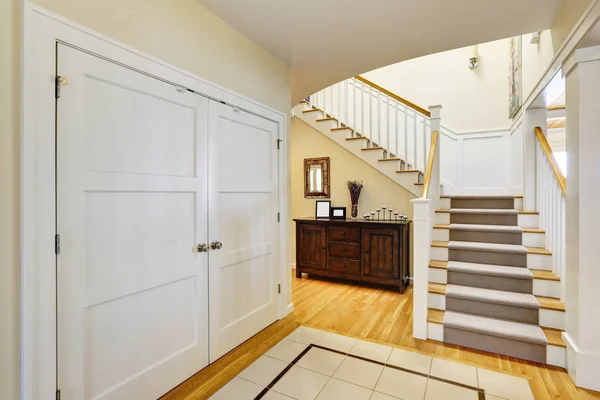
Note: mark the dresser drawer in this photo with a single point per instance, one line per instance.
(341, 265)
(344, 250)
(344, 234)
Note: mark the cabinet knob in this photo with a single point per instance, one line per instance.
(344, 249)
(323, 248)
(366, 251)
(344, 233)
(343, 265)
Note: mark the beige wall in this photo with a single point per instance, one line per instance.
(9, 199)
(565, 20)
(472, 100)
(185, 34)
(378, 189)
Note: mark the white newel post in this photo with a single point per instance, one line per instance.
(582, 336)
(421, 247)
(531, 119)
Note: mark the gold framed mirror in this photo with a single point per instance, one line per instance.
(316, 178)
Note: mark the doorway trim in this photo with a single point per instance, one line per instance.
(41, 31)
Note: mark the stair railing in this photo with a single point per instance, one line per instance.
(423, 222)
(386, 119)
(551, 193)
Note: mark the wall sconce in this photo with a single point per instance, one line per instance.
(474, 60)
(535, 38)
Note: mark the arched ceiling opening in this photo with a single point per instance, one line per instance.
(326, 41)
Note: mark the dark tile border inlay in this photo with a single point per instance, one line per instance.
(480, 392)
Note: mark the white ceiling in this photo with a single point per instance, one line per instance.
(326, 41)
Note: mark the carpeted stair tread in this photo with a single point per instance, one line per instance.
(482, 196)
(490, 270)
(496, 327)
(522, 300)
(489, 247)
(485, 211)
(486, 228)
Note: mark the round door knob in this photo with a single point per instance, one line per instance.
(216, 245)
(202, 248)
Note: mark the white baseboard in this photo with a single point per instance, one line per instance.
(290, 308)
(582, 367)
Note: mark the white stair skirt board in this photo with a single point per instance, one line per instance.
(552, 319)
(555, 355)
(436, 301)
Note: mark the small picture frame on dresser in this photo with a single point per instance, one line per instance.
(322, 208)
(338, 213)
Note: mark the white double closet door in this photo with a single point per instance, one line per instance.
(145, 173)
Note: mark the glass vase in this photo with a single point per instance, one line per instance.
(354, 211)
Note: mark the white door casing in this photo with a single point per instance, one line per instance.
(243, 207)
(132, 291)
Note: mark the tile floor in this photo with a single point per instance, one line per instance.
(316, 365)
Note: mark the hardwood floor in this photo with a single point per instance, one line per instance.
(370, 313)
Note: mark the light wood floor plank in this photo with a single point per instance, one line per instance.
(374, 314)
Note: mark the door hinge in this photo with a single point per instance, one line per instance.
(278, 143)
(278, 217)
(279, 288)
(60, 81)
(57, 394)
(57, 244)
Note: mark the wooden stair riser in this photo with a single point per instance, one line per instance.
(534, 261)
(524, 220)
(530, 239)
(555, 355)
(540, 287)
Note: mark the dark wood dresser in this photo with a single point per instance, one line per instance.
(359, 250)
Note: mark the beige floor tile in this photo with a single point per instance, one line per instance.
(337, 342)
(372, 351)
(322, 361)
(263, 370)
(437, 390)
(286, 350)
(272, 395)
(454, 371)
(340, 390)
(381, 396)
(306, 335)
(410, 360)
(502, 385)
(239, 389)
(300, 384)
(359, 372)
(403, 385)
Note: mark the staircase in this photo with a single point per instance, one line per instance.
(384, 130)
(491, 285)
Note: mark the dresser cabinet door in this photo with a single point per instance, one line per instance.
(312, 246)
(380, 253)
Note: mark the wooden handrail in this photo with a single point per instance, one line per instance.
(562, 182)
(434, 137)
(394, 96)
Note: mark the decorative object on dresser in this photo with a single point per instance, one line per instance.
(355, 188)
(316, 178)
(358, 250)
(338, 213)
(322, 209)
